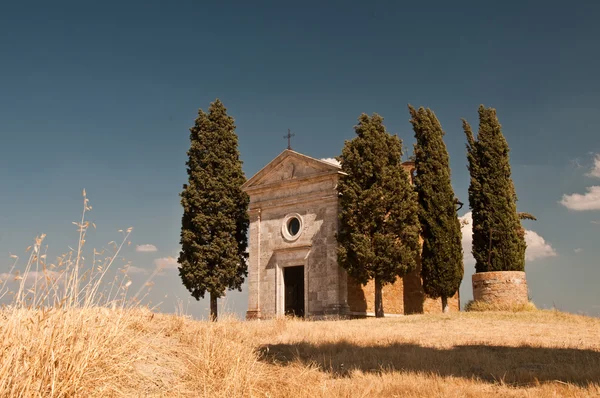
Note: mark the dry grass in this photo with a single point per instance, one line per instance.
(64, 330)
(536, 353)
(481, 306)
(64, 334)
(134, 352)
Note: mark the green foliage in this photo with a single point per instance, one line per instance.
(498, 238)
(379, 228)
(441, 257)
(215, 219)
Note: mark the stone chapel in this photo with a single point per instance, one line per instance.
(292, 265)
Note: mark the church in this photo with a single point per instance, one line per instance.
(292, 264)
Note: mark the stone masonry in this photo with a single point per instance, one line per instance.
(500, 288)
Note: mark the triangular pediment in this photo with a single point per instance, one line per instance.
(290, 165)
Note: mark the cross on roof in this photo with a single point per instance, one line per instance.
(289, 138)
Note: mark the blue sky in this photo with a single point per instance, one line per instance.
(101, 96)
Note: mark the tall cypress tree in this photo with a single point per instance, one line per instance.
(379, 228)
(498, 238)
(441, 257)
(215, 209)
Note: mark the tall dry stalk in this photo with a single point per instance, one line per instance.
(48, 344)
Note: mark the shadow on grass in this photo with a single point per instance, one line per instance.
(524, 365)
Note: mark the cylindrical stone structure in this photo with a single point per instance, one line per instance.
(502, 288)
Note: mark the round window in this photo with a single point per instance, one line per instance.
(293, 226)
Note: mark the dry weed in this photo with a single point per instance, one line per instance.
(65, 332)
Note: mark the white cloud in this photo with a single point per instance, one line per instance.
(576, 163)
(588, 201)
(33, 277)
(166, 263)
(147, 248)
(537, 247)
(135, 270)
(595, 171)
(466, 223)
(332, 161)
(578, 250)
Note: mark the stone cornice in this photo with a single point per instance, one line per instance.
(292, 248)
(292, 200)
(293, 182)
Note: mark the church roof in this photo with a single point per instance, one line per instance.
(317, 166)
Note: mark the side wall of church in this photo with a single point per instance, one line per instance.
(361, 299)
(405, 296)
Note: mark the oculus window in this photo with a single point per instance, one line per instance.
(292, 227)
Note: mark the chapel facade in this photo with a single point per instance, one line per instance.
(292, 264)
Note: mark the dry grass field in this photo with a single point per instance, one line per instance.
(64, 333)
(134, 352)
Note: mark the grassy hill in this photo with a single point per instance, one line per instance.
(65, 333)
(97, 351)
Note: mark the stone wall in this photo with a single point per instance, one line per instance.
(405, 296)
(361, 299)
(417, 302)
(503, 288)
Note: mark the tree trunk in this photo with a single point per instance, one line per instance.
(445, 308)
(213, 307)
(378, 298)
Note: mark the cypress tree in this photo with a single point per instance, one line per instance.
(441, 257)
(215, 218)
(379, 228)
(498, 238)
